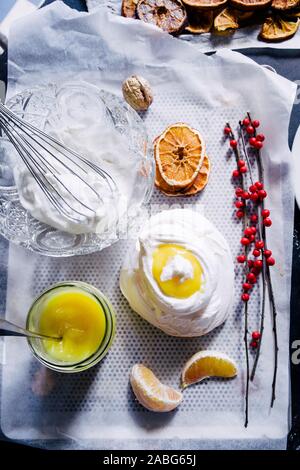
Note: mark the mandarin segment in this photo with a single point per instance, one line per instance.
(151, 393)
(206, 364)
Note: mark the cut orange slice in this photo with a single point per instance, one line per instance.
(179, 154)
(151, 393)
(206, 364)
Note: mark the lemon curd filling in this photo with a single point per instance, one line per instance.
(176, 270)
(78, 319)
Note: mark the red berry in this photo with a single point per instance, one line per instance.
(245, 297)
(252, 188)
(250, 130)
(258, 185)
(245, 195)
(262, 194)
(258, 264)
(255, 123)
(239, 192)
(256, 253)
(243, 169)
(235, 173)
(267, 222)
(260, 137)
(246, 122)
(267, 253)
(241, 163)
(254, 344)
(233, 144)
(250, 263)
(253, 230)
(258, 144)
(255, 271)
(251, 278)
(256, 335)
(254, 218)
(241, 259)
(270, 261)
(252, 237)
(245, 241)
(265, 213)
(252, 141)
(248, 232)
(239, 214)
(247, 286)
(254, 196)
(239, 204)
(227, 130)
(259, 244)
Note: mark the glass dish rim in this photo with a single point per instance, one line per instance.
(103, 348)
(84, 243)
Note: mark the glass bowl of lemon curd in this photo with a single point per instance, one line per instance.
(81, 321)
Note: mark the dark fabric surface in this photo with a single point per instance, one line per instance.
(286, 63)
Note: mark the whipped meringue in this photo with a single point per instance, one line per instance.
(180, 276)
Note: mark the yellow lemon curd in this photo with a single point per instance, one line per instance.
(176, 287)
(78, 319)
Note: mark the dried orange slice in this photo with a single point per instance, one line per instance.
(243, 16)
(199, 22)
(278, 29)
(128, 8)
(206, 364)
(226, 21)
(179, 154)
(198, 184)
(201, 179)
(150, 392)
(169, 15)
(204, 4)
(285, 4)
(250, 4)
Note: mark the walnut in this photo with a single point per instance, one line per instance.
(137, 93)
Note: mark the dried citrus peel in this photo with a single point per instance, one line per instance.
(277, 29)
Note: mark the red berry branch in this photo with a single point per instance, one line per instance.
(240, 204)
(256, 218)
(267, 222)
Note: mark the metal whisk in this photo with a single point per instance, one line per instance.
(45, 157)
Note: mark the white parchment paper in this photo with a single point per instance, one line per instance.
(243, 38)
(97, 409)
